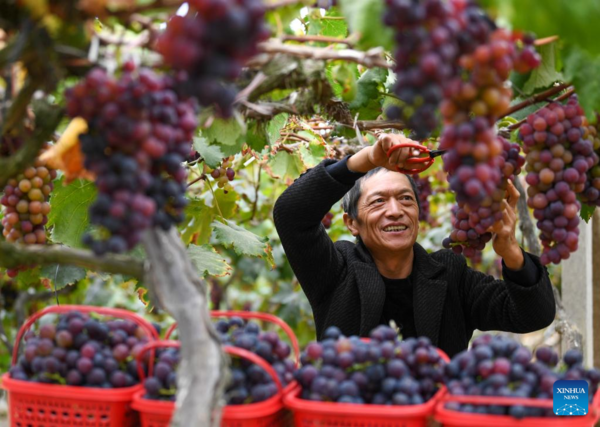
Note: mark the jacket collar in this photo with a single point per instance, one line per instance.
(429, 294)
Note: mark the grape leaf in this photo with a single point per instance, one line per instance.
(368, 98)
(583, 70)
(286, 164)
(208, 261)
(62, 275)
(312, 154)
(257, 137)
(211, 154)
(225, 132)
(69, 214)
(227, 203)
(275, 126)
(28, 277)
(243, 241)
(322, 26)
(344, 78)
(586, 212)
(198, 217)
(365, 17)
(546, 74)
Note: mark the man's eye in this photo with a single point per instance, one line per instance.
(379, 200)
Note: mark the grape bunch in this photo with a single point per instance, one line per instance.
(326, 221)
(210, 44)
(223, 174)
(249, 382)
(162, 384)
(424, 186)
(81, 351)
(499, 366)
(26, 207)
(382, 371)
(470, 224)
(558, 158)
(591, 192)
(140, 131)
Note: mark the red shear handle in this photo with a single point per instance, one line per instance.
(258, 316)
(113, 312)
(228, 349)
(426, 161)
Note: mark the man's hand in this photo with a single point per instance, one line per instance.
(376, 155)
(504, 240)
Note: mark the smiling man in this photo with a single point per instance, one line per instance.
(386, 275)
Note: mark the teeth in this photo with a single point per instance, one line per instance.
(395, 228)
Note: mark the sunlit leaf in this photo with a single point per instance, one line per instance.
(208, 261)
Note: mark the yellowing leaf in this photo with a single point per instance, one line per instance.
(66, 155)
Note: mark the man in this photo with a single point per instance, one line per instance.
(386, 275)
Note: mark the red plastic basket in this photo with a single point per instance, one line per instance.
(46, 405)
(328, 414)
(156, 413)
(453, 418)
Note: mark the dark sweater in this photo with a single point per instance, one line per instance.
(450, 300)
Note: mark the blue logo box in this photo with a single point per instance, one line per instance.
(570, 398)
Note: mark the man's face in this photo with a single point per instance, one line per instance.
(388, 214)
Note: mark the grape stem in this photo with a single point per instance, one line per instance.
(535, 99)
(370, 59)
(215, 201)
(320, 39)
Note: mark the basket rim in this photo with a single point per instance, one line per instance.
(444, 415)
(293, 402)
(267, 407)
(123, 394)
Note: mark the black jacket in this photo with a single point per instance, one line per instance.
(345, 288)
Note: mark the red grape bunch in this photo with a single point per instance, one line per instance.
(499, 366)
(591, 192)
(382, 371)
(81, 351)
(162, 384)
(424, 187)
(223, 174)
(26, 207)
(140, 132)
(211, 44)
(326, 221)
(249, 382)
(558, 158)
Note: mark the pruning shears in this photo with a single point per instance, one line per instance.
(420, 155)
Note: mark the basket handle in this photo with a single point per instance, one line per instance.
(114, 312)
(258, 316)
(228, 349)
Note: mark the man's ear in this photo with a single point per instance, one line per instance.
(351, 224)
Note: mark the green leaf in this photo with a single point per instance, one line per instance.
(243, 241)
(69, 215)
(225, 132)
(364, 17)
(546, 73)
(227, 202)
(197, 220)
(322, 26)
(211, 154)
(257, 137)
(575, 22)
(344, 77)
(286, 164)
(583, 70)
(275, 126)
(313, 154)
(587, 212)
(62, 275)
(208, 261)
(368, 98)
(28, 277)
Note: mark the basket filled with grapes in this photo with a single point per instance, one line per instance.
(262, 370)
(375, 382)
(498, 382)
(75, 365)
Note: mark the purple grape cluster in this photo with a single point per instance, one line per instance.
(499, 366)
(424, 186)
(140, 131)
(382, 371)
(470, 222)
(430, 35)
(81, 351)
(211, 44)
(249, 382)
(558, 158)
(591, 192)
(162, 384)
(327, 219)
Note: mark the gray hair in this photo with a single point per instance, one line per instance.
(350, 200)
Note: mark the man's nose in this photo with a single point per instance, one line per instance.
(394, 208)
